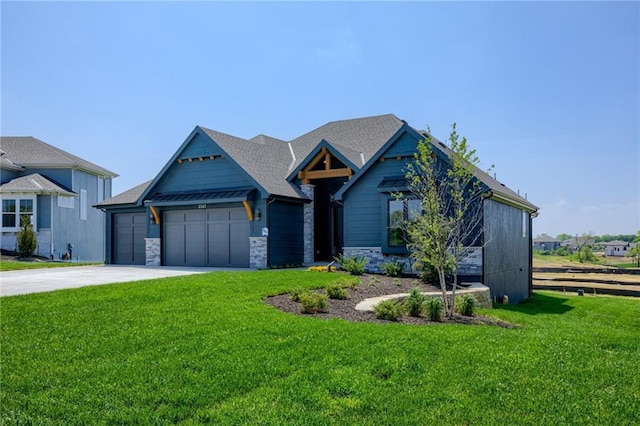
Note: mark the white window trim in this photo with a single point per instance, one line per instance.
(17, 198)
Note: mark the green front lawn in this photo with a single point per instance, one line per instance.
(206, 349)
(16, 265)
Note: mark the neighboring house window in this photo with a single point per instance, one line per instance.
(65, 202)
(399, 211)
(83, 204)
(8, 213)
(100, 189)
(14, 209)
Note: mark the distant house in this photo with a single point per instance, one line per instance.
(574, 243)
(55, 190)
(546, 243)
(617, 248)
(262, 202)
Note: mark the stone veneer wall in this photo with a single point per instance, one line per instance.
(308, 213)
(471, 264)
(258, 252)
(152, 251)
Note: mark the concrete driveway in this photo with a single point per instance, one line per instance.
(49, 279)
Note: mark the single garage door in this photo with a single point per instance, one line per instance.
(128, 238)
(206, 237)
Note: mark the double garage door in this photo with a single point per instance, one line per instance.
(206, 237)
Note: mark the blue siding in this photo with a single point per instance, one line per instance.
(62, 177)
(507, 253)
(285, 234)
(404, 145)
(87, 236)
(200, 175)
(365, 206)
(7, 175)
(44, 211)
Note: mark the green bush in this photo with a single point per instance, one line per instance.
(393, 269)
(336, 291)
(373, 281)
(296, 293)
(397, 282)
(433, 307)
(26, 237)
(389, 310)
(348, 282)
(466, 305)
(313, 302)
(353, 265)
(415, 302)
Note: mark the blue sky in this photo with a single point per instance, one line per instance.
(548, 92)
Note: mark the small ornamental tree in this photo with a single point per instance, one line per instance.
(444, 180)
(26, 237)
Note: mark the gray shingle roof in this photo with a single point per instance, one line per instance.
(359, 136)
(127, 197)
(34, 183)
(28, 151)
(269, 161)
(265, 159)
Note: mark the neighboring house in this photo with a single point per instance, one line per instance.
(578, 242)
(55, 189)
(262, 202)
(546, 243)
(617, 248)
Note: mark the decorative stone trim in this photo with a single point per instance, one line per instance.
(308, 213)
(470, 264)
(152, 251)
(258, 252)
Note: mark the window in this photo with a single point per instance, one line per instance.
(8, 213)
(26, 209)
(14, 209)
(524, 224)
(399, 211)
(83, 204)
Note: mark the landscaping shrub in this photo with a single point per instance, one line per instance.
(466, 305)
(433, 307)
(373, 281)
(393, 269)
(26, 237)
(353, 265)
(397, 282)
(415, 302)
(389, 310)
(336, 291)
(313, 303)
(296, 293)
(348, 282)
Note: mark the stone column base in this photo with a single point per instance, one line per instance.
(152, 251)
(258, 252)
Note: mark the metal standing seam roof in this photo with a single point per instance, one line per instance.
(28, 151)
(200, 195)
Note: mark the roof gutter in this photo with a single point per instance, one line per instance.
(511, 202)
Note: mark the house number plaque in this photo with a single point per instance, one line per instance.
(202, 206)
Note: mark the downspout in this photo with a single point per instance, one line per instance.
(51, 231)
(269, 202)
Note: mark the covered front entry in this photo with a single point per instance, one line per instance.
(206, 237)
(129, 230)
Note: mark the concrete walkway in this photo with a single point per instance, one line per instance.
(49, 279)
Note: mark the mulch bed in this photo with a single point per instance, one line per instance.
(373, 286)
